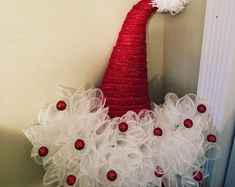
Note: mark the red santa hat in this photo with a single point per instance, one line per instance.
(125, 82)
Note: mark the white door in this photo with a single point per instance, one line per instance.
(217, 81)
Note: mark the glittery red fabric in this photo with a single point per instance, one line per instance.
(125, 82)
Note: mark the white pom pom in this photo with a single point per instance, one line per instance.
(171, 6)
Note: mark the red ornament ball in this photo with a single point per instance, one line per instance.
(71, 179)
(197, 175)
(201, 108)
(43, 151)
(157, 131)
(79, 144)
(188, 123)
(61, 105)
(159, 172)
(111, 175)
(123, 127)
(211, 138)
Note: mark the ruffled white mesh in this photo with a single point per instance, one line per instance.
(136, 155)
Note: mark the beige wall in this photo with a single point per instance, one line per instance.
(182, 49)
(49, 43)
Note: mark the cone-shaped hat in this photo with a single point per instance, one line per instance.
(125, 82)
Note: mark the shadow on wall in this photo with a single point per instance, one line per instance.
(173, 85)
(155, 89)
(17, 169)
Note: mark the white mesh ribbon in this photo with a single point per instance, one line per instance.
(138, 156)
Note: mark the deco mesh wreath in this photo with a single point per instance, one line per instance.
(114, 136)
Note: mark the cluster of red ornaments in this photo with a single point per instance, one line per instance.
(123, 127)
(112, 176)
(188, 123)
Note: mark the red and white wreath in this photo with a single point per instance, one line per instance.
(114, 135)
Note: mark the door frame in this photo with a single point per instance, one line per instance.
(216, 79)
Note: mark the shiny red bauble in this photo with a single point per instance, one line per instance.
(159, 172)
(157, 131)
(79, 144)
(71, 179)
(61, 105)
(211, 138)
(201, 108)
(123, 127)
(111, 175)
(43, 151)
(197, 176)
(188, 123)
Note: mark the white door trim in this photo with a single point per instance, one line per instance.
(216, 76)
